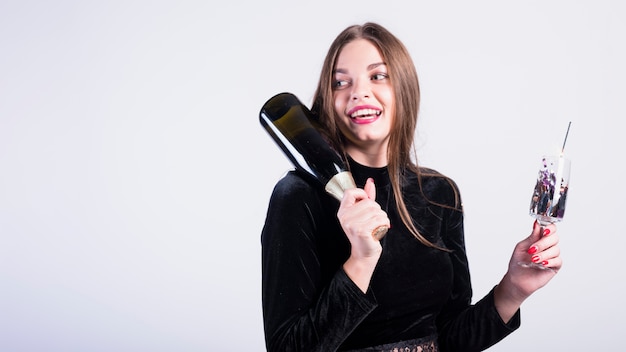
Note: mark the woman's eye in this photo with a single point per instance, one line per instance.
(340, 83)
(379, 76)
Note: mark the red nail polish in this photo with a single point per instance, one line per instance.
(546, 232)
(544, 263)
(533, 250)
(535, 259)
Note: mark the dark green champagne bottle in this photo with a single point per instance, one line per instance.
(292, 126)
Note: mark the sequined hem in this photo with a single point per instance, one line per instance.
(425, 344)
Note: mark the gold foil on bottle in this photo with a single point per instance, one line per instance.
(339, 183)
(343, 181)
(380, 232)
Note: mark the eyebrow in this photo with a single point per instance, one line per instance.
(369, 67)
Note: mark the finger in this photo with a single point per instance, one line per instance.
(548, 230)
(546, 255)
(363, 215)
(370, 189)
(381, 230)
(554, 263)
(364, 219)
(534, 236)
(538, 233)
(544, 243)
(351, 196)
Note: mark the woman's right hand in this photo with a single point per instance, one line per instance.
(359, 215)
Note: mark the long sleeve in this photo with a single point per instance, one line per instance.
(462, 326)
(307, 304)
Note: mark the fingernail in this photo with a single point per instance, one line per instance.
(533, 250)
(535, 259)
(546, 232)
(544, 263)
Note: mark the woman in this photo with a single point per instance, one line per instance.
(328, 284)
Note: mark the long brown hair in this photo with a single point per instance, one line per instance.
(404, 80)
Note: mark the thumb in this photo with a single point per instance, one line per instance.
(535, 235)
(537, 231)
(370, 189)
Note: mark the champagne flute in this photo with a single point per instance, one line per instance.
(547, 204)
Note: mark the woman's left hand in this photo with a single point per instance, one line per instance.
(541, 247)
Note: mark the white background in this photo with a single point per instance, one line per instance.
(135, 176)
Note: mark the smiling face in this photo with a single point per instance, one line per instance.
(364, 102)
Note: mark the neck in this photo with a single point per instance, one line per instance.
(369, 158)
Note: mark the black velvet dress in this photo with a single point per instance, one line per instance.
(309, 303)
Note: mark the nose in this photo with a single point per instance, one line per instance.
(360, 89)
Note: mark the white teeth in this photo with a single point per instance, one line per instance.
(365, 112)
